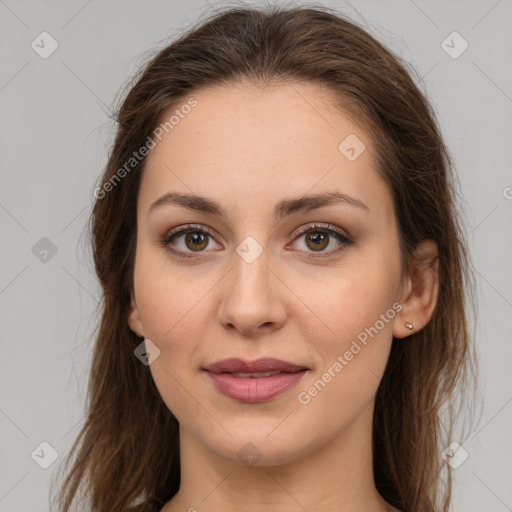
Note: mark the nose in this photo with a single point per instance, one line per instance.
(253, 297)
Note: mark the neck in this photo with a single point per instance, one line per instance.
(336, 476)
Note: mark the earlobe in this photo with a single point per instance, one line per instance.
(420, 295)
(133, 317)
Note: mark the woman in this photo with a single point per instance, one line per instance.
(284, 278)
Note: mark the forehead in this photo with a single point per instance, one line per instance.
(274, 141)
(280, 121)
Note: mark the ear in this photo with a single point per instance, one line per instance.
(134, 320)
(420, 290)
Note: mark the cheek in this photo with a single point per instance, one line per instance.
(171, 321)
(168, 298)
(173, 306)
(351, 362)
(352, 299)
(359, 309)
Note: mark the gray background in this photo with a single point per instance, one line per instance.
(54, 137)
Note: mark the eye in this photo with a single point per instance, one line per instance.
(319, 236)
(196, 238)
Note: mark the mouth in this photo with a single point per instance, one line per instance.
(255, 381)
(259, 366)
(259, 375)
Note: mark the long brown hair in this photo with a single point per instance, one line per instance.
(127, 452)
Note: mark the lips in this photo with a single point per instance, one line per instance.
(254, 381)
(266, 364)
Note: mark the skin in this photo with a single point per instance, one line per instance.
(249, 147)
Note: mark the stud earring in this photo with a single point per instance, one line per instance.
(409, 326)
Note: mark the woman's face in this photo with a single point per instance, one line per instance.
(254, 286)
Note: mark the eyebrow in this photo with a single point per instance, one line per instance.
(282, 209)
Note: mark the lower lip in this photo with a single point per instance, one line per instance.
(253, 389)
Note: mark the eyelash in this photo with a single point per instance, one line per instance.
(194, 228)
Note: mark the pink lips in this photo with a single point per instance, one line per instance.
(254, 389)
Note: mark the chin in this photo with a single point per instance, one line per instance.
(258, 449)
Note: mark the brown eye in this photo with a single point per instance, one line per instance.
(196, 241)
(318, 237)
(317, 241)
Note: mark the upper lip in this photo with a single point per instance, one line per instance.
(265, 364)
